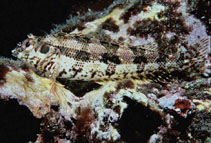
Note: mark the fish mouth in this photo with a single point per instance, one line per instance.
(16, 51)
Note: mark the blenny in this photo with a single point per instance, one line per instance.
(151, 41)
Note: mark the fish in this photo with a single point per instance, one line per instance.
(71, 58)
(98, 53)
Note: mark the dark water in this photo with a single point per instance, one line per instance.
(17, 19)
(21, 17)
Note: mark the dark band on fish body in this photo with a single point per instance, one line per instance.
(140, 59)
(83, 39)
(82, 55)
(161, 58)
(110, 47)
(110, 58)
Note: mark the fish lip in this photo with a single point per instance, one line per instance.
(16, 51)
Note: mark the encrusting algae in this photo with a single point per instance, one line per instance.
(149, 62)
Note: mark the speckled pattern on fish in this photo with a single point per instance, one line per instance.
(137, 40)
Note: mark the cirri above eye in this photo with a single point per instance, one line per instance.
(44, 49)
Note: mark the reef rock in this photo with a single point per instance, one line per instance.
(139, 71)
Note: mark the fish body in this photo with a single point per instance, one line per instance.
(133, 40)
(73, 58)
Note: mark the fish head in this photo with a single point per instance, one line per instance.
(37, 53)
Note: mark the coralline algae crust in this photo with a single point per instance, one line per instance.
(143, 109)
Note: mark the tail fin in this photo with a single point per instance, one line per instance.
(194, 63)
(190, 65)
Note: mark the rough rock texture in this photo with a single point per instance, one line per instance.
(125, 110)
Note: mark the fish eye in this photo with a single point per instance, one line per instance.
(27, 43)
(44, 49)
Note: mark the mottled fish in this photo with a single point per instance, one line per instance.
(130, 41)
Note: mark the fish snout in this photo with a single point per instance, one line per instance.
(16, 51)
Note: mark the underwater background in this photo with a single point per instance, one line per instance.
(21, 17)
(18, 19)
